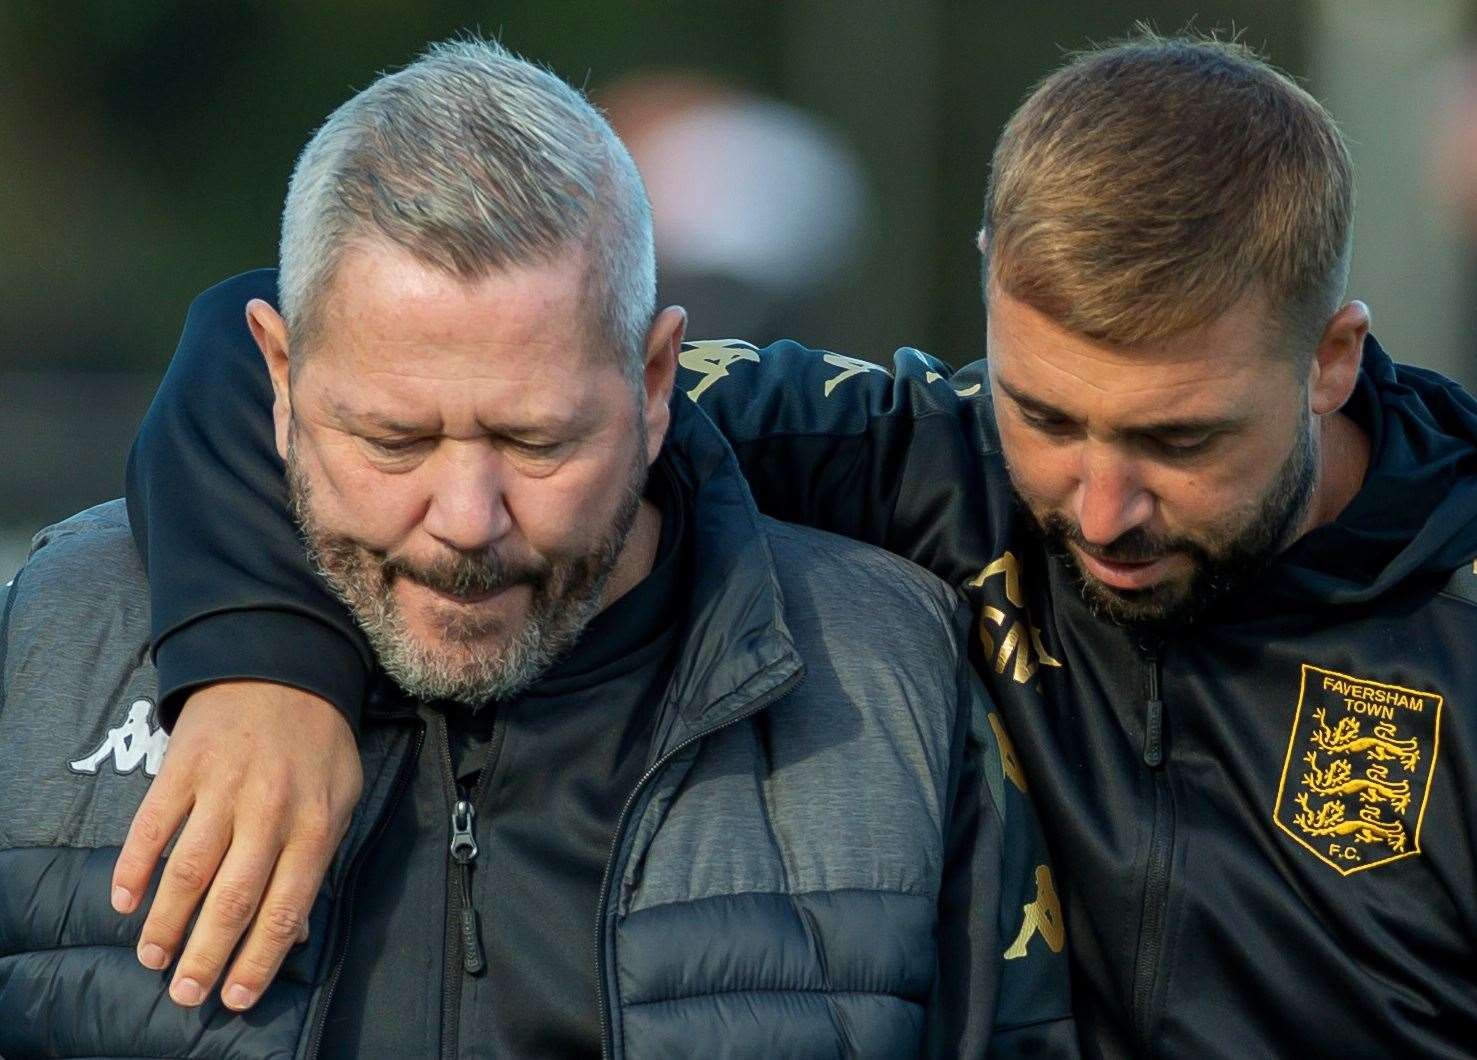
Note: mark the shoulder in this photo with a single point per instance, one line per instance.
(876, 597)
(809, 390)
(81, 583)
(76, 686)
(94, 544)
(224, 302)
(1463, 583)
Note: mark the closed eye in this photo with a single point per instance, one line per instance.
(397, 446)
(1182, 445)
(535, 448)
(1053, 425)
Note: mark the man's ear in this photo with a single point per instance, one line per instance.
(662, 343)
(1335, 367)
(270, 332)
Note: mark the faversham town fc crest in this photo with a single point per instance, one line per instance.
(1358, 769)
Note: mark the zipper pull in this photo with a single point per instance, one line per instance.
(472, 960)
(1153, 734)
(1154, 719)
(463, 842)
(464, 852)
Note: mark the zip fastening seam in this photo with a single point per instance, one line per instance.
(1154, 717)
(1161, 846)
(351, 882)
(784, 688)
(464, 852)
(458, 894)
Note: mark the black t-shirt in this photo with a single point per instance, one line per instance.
(630, 638)
(548, 774)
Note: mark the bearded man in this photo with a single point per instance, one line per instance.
(1219, 547)
(643, 772)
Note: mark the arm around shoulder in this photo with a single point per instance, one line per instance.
(1003, 986)
(231, 590)
(844, 444)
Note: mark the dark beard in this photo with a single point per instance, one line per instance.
(565, 595)
(1221, 564)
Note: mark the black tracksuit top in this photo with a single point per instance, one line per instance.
(1263, 823)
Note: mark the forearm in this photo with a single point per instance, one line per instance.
(231, 591)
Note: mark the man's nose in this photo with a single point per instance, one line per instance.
(468, 508)
(1111, 497)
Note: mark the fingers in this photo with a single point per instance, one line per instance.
(188, 871)
(158, 818)
(269, 791)
(229, 906)
(281, 922)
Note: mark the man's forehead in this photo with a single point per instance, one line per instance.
(385, 294)
(1137, 414)
(393, 324)
(1209, 372)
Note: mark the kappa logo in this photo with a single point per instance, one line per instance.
(130, 745)
(711, 359)
(1358, 769)
(1042, 916)
(1021, 647)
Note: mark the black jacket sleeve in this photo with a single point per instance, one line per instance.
(1003, 987)
(231, 591)
(825, 440)
(891, 456)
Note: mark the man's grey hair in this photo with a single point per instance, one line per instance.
(473, 160)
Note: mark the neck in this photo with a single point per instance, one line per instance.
(1343, 459)
(638, 555)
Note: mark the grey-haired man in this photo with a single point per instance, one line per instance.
(645, 773)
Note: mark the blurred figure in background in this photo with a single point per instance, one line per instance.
(757, 206)
(1453, 168)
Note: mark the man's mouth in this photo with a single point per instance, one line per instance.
(469, 598)
(1121, 574)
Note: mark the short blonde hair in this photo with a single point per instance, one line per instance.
(1146, 186)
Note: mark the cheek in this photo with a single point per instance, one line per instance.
(567, 512)
(1042, 471)
(1210, 498)
(354, 499)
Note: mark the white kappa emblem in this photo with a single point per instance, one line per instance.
(130, 745)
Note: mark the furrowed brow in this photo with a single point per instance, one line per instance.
(360, 418)
(1188, 427)
(1168, 428)
(1030, 404)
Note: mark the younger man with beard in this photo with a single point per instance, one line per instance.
(1220, 548)
(644, 773)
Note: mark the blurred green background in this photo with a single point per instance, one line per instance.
(147, 146)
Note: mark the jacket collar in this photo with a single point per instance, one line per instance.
(735, 646)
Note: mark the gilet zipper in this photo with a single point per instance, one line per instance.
(351, 881)
(464, 954)
(782, 689)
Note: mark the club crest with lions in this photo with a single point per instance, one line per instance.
(1358, 769)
